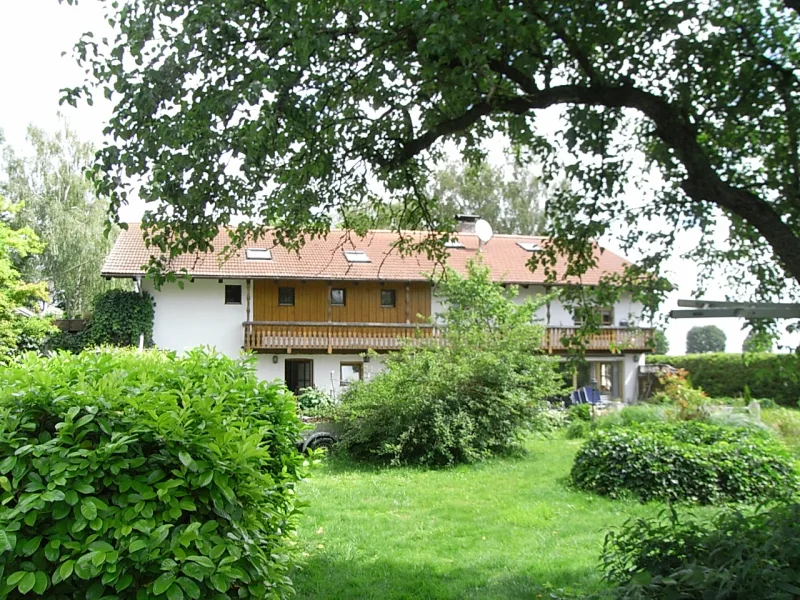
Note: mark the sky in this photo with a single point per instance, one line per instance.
(33, 35)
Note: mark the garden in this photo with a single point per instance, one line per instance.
(458, 474)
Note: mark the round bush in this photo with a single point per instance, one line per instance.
(692, 462)
(140, 475)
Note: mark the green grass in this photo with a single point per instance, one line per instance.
(503, 529)
(786, 422)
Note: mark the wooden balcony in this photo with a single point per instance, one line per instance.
(329, 337)
(358, 337)
(608, 339)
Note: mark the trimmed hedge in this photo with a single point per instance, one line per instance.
(691, 461)
(774, 376)
(141, 475)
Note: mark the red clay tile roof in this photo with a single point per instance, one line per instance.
(324, 259)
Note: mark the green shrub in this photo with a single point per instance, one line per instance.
(693, 462)
(314, 402)
(786, 422)
(752, 556)
(580, 412)
(549, 420)
(472, 397)
(775, 376)
(140, 475)
(632, 415)
(578, 429)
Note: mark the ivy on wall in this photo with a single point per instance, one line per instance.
(119, 317)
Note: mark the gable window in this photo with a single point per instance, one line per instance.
(388, 298)
(350, 372)
(233, 294)
(338, 297)
(285, 296)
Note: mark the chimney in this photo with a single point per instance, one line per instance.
(466, 223)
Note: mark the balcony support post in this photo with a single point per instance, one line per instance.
(408, 303)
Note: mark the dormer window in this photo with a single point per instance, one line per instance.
(529, 246)
(258, 254)
(356, 256)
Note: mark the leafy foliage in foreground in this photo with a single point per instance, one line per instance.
(691, 462)
(750, 556)
(775, 376)
(140, 475)
(462, 401)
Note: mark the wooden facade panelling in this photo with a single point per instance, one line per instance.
(362, 304)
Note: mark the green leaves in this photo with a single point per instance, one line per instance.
(461, 402)
(186, 465)
(88, 509)
(163, 583)
(685, 462)
(749, 554)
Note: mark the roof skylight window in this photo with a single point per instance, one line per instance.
(529, 246)
(258, 254)
(356, 256)
(453, 244)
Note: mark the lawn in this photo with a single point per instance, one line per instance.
(502, 529)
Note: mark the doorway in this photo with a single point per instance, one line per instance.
(298, 373)
(606, 376)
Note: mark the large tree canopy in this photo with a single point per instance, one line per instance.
(708, 338)
(21, 329)
(286, 111)
(512, 202)
(58, 203)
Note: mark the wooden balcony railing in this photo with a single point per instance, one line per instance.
(266, 335)
(358, 337)
(614, 339)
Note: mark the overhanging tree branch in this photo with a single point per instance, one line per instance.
(702, 183)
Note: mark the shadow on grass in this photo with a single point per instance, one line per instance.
(338, 462)
(326, 578)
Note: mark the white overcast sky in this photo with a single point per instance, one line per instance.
(34, 33)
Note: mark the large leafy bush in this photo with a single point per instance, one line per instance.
(775, 376)
(142, 475)
(461, 400)
(752, 556)
(691, 461)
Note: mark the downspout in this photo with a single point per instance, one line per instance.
(141, 294)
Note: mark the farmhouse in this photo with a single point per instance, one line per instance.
(311, 316)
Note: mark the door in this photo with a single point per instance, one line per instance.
(299, 374)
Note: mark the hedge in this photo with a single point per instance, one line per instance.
(775, 376)
(134, 476)
(691, 462)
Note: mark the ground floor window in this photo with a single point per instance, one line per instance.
(350, 372)
(299, 373)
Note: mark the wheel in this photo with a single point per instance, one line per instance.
(321, 441)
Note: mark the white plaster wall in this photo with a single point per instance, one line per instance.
(630, 377)
(326, 368)
(198, 316)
